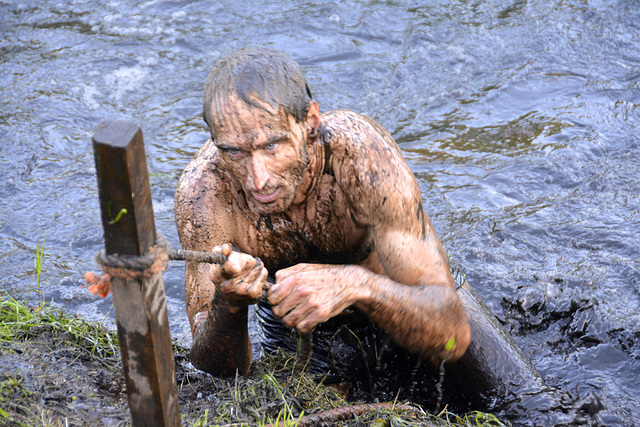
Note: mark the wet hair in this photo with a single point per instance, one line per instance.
(258, 73)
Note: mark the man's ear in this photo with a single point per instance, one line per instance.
(313, 116)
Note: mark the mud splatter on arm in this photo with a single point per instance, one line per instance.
(415, 300)
(221, 342)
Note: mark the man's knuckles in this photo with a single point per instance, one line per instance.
(227, 249)
(237, 263)
(228, 286)
(255, 291)
(306, 325)
(300, 292)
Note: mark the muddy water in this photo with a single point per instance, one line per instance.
(519, 119)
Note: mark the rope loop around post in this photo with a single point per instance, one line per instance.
(136, 267)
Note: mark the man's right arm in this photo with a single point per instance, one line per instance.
(221, 343)
(217, 310)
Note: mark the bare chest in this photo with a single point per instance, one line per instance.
(320, 230)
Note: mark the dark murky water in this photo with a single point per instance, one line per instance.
(520, 120)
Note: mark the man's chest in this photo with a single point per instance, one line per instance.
(320, 230)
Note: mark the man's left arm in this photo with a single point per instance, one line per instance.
(415, 299)
(416, 302)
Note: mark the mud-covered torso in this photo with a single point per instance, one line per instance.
(321, 230)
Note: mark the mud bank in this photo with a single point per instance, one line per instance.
(61, 370)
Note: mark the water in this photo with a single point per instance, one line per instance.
(519, 119)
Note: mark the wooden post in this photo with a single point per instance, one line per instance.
(140, 306)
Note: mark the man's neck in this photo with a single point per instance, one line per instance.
(313, 172)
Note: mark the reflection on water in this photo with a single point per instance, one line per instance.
(519, 120)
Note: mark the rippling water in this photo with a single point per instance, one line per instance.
(519, 119)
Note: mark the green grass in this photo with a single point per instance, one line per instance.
(37, 270)
(22, 329)
(276, 392)
(18, 321)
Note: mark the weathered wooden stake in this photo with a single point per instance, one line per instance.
(140, 306)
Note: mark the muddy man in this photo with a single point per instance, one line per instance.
(323, 211)
(325, 202)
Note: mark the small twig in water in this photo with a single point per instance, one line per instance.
(348, 412)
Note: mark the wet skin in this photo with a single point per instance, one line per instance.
(338, 219)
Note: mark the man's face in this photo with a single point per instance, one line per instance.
(265, 151)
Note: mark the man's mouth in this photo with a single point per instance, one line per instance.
(266, 198)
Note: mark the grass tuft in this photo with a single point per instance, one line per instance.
(37, 269)
(276, 392)
(18, 321)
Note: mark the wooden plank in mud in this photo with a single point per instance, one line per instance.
(140, 306)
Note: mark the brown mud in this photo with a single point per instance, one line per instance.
(48, 380)
(49, 377)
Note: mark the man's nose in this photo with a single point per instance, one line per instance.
(259, 174)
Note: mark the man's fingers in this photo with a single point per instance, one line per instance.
(306, 324)
(286, 281)
(260, 283)
(303, 318)
(219, 273)
(286, 298)
(255, 291)
(248, 287)
(277, 292)
(226, 249)
(215, 273)
(252, 284)
(237, 263)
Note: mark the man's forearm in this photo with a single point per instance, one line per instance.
(221, 343)
(423, 319)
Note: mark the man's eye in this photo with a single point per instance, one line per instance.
(233, 152)
(272, 147)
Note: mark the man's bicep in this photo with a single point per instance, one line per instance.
(202, 222)
(412, 258)
(384, 196)
(404, 237)
(202, 216)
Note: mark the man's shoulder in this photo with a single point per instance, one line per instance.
(348, 121)
(203, 190)
(359, 141)
(199, 175)
(368, 166)
(351, 133)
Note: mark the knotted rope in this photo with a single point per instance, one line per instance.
(138, 267)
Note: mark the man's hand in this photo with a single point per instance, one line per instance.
(308, 294)
(241, 278)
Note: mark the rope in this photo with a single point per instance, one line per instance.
(139, 267)
(183, 255)
(133, 267)
(156, 261)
